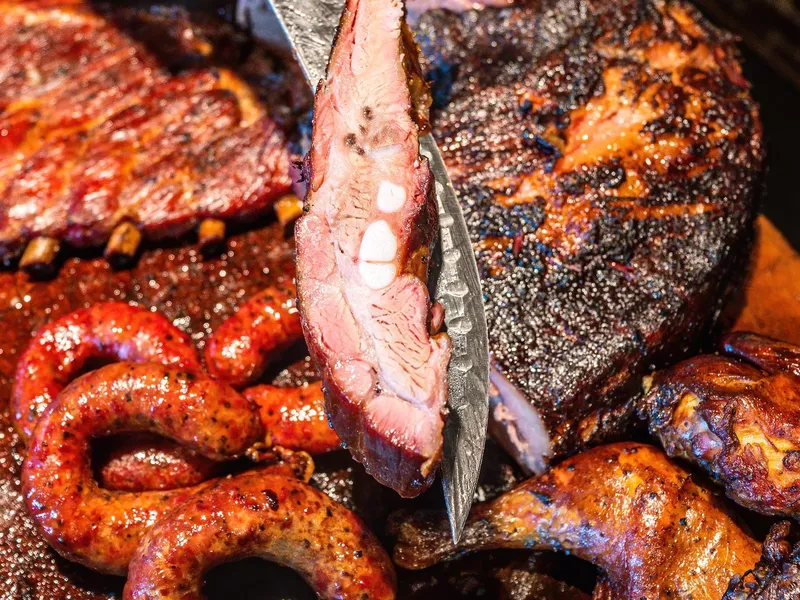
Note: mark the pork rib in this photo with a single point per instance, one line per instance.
(97, 132)
(363, 250)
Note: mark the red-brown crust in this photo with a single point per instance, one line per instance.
(393, 464)
(105, 331)
(101, 133)
(254, 514)
(644, 520)
(242, 347)
(294, 417)
(99, 528)
(773, 356)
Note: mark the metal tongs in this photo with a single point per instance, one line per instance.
(308, 27)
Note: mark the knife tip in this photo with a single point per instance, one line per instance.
(457, 514)
(456, 528)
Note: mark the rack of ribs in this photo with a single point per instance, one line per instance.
(102, 144)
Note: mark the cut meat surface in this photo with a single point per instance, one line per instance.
(363, 252)
(608, 157)
(96, 132)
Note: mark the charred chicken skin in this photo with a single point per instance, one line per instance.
(737, 418)
(363, 250)
(626, 507)
(777, 574)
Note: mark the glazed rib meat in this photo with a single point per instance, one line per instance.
(608, 158)
(363, 251)
(97, 132)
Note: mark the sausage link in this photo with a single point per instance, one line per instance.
(61, 349)
(268, 516)
(101, 528)
(241, 348)
(140, 462)
(295, 418)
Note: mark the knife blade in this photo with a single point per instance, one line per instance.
(308, 28)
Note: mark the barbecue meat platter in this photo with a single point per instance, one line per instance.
(222, 373)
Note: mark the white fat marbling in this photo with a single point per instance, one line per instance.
(379, 244)
(391, 197)
(377, 275)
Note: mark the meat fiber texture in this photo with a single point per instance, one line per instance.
(363, 253)
(97, 132)
(608, 157)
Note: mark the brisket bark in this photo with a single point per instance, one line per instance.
(609, 160)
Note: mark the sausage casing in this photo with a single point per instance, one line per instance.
(256, 514)
(101, 528)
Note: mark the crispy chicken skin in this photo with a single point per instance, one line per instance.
(777, 574)
(739, 421)
(653, 530)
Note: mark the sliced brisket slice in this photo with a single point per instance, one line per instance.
(363, 249)
(609, 160)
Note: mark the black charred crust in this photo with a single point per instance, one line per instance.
(777, 574)
(506, 85)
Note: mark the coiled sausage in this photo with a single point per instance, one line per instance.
(108, 330)
(243, 345)
(101, 528)
(256, 514)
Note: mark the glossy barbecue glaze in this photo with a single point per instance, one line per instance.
(100, 528)
(772, 356)
(263, 327)
(363, 250)
(777, 574)
(626, 507)
(294, 417)
(739, 422)
(142, 462)
(272, 517)
(608, 157)
(99, 133)
(104, 331)
(198, 296)
(62, 349)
